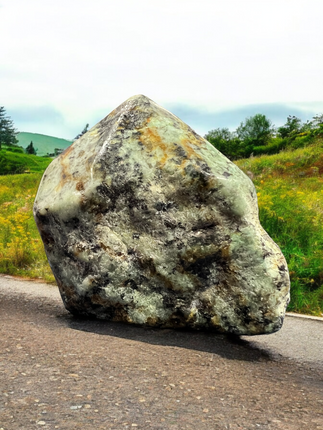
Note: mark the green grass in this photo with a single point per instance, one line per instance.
(44, 144)
(13, 162)
(21, 248)
(290, 197)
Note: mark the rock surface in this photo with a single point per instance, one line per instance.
(144, 221)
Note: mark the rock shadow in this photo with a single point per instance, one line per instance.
(224, 345)
(45, 312)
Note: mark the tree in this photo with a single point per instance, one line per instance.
(256, 130)
(317, 125)
(292, 127)
(225, 141)
(30, 149)
(317, 120)
(7, 130)
(85, 129)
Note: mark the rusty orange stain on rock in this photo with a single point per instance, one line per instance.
(190, 152)
(183, 164)
(189, 148)
(66, 152)
(151, 139)
(80, 186)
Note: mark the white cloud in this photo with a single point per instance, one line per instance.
(89, 56)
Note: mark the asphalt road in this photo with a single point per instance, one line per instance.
(59, 372)
(300, 339)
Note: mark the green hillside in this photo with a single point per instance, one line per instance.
(290, 198)
(44, 144)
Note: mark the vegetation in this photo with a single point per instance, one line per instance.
(30, 149)
(44, 145)
(255, 131)
(290, 193)
(257, 136)
(7, 130)
(21, 249)
(13, 160)
(85, 130)
(290, 198)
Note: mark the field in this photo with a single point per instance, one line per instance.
(21, 249)
(44, 144)
(290, 196)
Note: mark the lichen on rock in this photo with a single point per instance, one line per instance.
(144, 221)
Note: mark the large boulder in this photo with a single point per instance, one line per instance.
(144, 221)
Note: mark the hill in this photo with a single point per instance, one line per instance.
(44, 144)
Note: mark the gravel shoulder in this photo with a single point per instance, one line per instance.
(57, 371)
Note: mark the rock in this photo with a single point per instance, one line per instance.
(144, 221)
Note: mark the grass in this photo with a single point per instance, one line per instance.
(21, 248)
(44, 144)
(290, 198)
(12, 162)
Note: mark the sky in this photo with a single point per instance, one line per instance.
(213, 63)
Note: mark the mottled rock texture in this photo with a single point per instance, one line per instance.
(143, 221)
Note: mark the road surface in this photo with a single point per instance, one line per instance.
(59, 372)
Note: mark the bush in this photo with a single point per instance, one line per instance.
(301, 141)
(17, 149)
(274, 147)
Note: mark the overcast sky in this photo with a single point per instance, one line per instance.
(211, 62)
